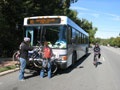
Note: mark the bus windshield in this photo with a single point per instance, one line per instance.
(55, 35)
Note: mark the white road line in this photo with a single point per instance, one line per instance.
(103, 59)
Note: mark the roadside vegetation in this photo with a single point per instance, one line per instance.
(115, 42)
(5, 68)
(7, 64)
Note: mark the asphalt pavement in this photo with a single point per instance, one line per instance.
(83, 76)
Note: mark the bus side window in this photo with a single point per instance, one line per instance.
(69, 37)
(80, 40)
(74, 35)
(77, 37)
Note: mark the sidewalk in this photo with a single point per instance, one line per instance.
(7, 62)
(8, 71)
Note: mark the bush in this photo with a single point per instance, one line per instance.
(7, 68)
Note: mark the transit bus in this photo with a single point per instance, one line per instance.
(68, 41)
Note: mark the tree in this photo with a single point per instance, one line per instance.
(92, 34)
(12, 13)
(117, 41)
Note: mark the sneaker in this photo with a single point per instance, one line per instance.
(22, 80)
(41, 77)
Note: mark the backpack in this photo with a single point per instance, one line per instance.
(47, 52)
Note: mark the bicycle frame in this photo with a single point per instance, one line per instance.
(96, 54)
(35, 60)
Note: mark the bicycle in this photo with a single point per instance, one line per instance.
(15, 59)
(96, 58)
(35, 59)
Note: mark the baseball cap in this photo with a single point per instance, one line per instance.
(26, 39)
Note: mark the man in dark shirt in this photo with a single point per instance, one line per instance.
(24, 48)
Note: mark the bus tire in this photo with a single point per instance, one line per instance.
(86, 51)
(74, 58)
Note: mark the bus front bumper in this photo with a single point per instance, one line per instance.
(61, 64)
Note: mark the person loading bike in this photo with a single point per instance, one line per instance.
(24, 48)
(96, 51)
(47, 54)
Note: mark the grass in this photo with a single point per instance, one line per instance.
(2, 69)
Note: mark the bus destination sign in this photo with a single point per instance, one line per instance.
(44, 21)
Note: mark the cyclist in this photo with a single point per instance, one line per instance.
(47, 54)
(96, 51)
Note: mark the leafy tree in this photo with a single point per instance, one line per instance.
(92, 35)
(117, 41)
(111, 41)
(9, 17)
(86, 25)
(12, 13)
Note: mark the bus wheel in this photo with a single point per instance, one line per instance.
(86, 52)
(74, 58)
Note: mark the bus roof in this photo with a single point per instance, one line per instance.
(51, 20)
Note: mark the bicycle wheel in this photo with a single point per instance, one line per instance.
(37, 63)
(54, 67)
(15, 59)
(96, 60)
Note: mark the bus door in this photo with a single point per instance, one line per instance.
(30, 33)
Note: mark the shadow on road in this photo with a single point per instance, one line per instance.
(98, 63)
(30, 75)
(78, 63)
(68, 70)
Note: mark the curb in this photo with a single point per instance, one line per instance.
(8, 71)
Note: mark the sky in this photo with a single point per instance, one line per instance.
(104, 14)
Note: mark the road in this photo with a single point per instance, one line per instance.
(83, 76)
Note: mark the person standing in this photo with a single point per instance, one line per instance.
(24, 48)
(47, 54)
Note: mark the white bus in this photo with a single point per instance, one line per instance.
(68, 41)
